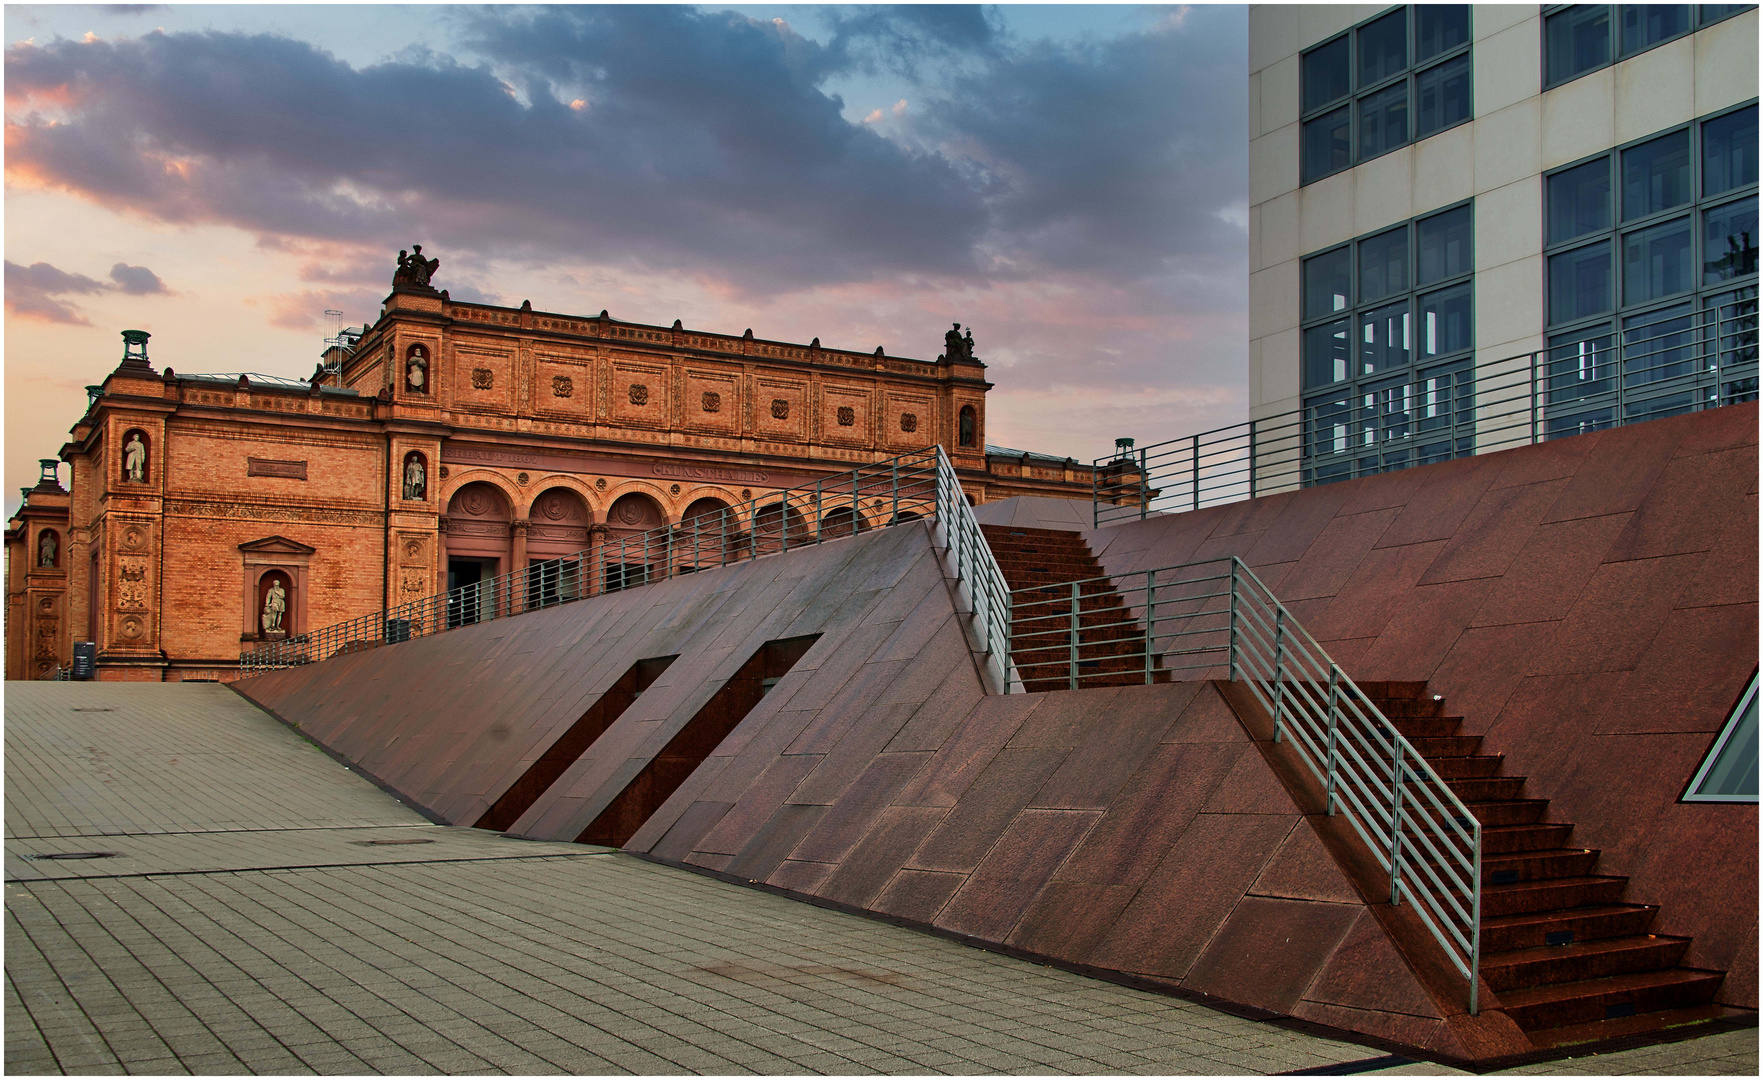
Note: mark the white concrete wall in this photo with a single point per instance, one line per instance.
(1518, 132)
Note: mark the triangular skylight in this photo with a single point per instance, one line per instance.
(1729, 772)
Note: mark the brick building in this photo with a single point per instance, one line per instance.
(442, 444)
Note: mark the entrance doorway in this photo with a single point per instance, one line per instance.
(470, 590)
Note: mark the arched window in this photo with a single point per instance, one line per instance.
(969, 426)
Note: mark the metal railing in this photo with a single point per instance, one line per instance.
(1648, 367)
(900, 489)
(1215, 619)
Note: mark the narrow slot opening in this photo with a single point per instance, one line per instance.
(703, 733)
(572, 744)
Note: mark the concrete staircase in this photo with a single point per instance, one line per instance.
(1570, 960)
(1111, 642)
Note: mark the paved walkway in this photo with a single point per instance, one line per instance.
(263, 909)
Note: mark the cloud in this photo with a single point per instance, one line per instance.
(136, 280)
(671, 139)
(31, 292)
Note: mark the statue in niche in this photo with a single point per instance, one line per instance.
(413, 269)
(134, 459)
(967, 434)
(416, 483)
(46, 549)
(416, 370)
(275, 605)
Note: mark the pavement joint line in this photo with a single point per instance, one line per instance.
(300, 867)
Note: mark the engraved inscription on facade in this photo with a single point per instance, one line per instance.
(292, 470)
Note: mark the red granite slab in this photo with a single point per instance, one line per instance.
(688, 830)
(1065, 717)
(757, 804)
(1302, 869)
(1298, 525)
(1068, 918)
(1438, 509)
(1002, 886)
(851, 816)
(986, 809)
(1618, 615)
(1551, 571)
(845, 762)
(767, 847)
(1690, 677)
(896, 834)
(1109, 752)
(1205, 718)
(1251, 788)
(1484, 666)
(1421, 632)
(1172, 782)
(1269, 951)
(942, 713)
(1494, 533)
(964, 756)
(1729, 573)
(1690, 505)
(918, 894)
(1192, 891)
(801, 877)
(1398, 1028)
(1618, 477)
(1367, 602)
(1329, 563)
(1366, 972)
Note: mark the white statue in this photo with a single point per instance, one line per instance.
(275, 604)
(415, 478)
(46, 550)
(134, 459)
(416, 373)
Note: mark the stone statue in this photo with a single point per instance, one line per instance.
(134, 459)
(275, 604)
(46, 550)
(416, 371)
(952, 344)
(413, 269)
(967, 345)
(415, 478)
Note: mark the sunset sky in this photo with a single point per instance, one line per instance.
(1072, 182)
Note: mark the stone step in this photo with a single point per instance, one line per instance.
(1507, 811)
(1640, 1024)
(1612, 997)
(1488, 789)
(1431, 746)
(1510, 868)
(1535, 929)
(1465, 768)
(1546, 965)
(1539, 836)
(1550, 895)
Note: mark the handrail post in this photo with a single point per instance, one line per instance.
(1074, 629)
(1251, 459)
(1235, 665)
(1196, 454)
(1279, 667)
(894, 476)
(1397, 778)
(1334, 681)
(1150, 618)
(1533, 393)
(1144, 485)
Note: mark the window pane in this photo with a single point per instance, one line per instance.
(1580, 364)
(1729, 151)
(1383, 121)
(1327, 146)
(1383, 264)
(1385, 336)
(1658, 345)
(1326, 353)
(1442, 96)
(1328, 283)
(1383, 47)
(1733, 774)
(1445, 246)
(1649, 24)
(1729, 242)
(1579, 201)
(1656, 262)
(1578, 41)
(1716, 12)
(1438, 28)
(1326, 74)
(1656, 175)
(1579, 283)
(1444, 322)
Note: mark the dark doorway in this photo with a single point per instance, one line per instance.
(572, 744)
(696, 741)
(468, 592)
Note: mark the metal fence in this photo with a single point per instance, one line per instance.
(905, 488)
(1652, 366)
(1216, 619)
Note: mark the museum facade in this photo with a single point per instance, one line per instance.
(444, 444)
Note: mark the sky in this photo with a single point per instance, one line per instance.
(1071, 182)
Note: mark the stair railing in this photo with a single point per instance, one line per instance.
(1658, 365)
(976, 568)
(900, 489)
(1216, 620)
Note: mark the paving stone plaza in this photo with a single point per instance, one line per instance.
(259, 908)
